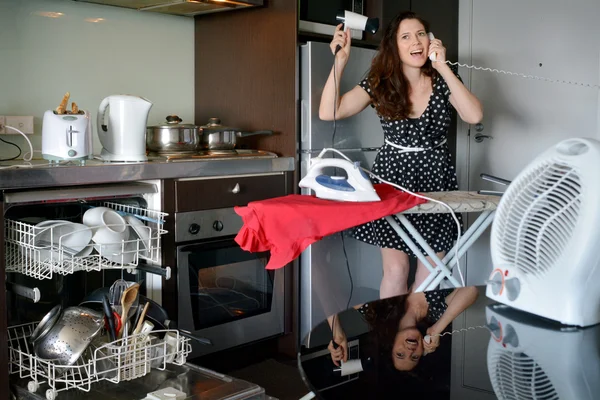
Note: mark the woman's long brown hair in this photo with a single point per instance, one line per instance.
(389, 86)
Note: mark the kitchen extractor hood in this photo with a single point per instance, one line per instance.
(188, 8)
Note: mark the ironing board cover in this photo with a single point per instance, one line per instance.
(287, 225)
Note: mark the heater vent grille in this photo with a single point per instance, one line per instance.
(537, 217)
(516, 376)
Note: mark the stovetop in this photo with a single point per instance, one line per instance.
(211, 154)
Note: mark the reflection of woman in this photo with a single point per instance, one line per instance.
(402, 322)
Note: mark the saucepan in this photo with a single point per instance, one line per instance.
(218, 137)
(175, 137)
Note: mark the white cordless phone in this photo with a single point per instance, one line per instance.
(432, 55)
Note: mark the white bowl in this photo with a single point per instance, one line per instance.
(142, 232)
(110, 232)
(121, 257)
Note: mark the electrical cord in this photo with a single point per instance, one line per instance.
(335, 100)
(12, 144)
(27, 156)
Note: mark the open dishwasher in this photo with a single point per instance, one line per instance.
(80, 263)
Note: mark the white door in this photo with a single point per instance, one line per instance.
(547, 38)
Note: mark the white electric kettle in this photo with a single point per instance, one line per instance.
(123, 132)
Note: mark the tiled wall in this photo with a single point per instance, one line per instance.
(49, 47)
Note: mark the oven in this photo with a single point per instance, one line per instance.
(224, 293)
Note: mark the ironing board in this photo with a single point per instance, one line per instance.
(459, 202)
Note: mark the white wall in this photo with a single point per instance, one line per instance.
(49, 47)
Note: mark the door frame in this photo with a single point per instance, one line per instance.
(463, 142)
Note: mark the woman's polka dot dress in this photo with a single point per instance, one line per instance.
(424, 171)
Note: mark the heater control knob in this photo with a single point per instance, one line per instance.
(513, 288)
(72, 153)
(194, 229)
(495, 283)
(510, 336)
(218, 226)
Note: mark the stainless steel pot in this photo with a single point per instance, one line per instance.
(174, 137)
(218, 137)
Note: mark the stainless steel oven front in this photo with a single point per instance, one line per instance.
(225, 294)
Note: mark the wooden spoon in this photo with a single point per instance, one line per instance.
(127, 299)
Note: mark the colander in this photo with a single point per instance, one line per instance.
(70, 335)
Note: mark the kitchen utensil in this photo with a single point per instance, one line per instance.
(108, 314)
(545, 236)
(355, 187)
(123, 136)
(140, 319)
(66, 137)
(174, 137)
(156, 314)
(46, 323)
(218, 137)
(115, 293)
(69, 336)
(127, 299)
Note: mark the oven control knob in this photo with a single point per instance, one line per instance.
(218, 226)
(194, 229)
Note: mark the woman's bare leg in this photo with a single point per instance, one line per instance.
(395, 273)
(423, 272)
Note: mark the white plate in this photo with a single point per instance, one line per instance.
(71, 237)
(142, 232)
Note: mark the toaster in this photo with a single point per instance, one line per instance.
(66, 136)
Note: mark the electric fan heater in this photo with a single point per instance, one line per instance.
(529, 360)
(545, 239)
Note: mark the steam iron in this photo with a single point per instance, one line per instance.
(356, 187)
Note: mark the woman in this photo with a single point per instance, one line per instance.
(413, 98)
(402, 322)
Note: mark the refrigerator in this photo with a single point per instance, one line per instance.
(325, 282)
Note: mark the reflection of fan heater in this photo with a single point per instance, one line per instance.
(545, 236)
(527, 361)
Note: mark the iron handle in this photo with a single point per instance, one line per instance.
(479, 138)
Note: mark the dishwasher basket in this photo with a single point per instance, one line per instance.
(122, 360)
(41, 252)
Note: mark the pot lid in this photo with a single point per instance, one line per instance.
(214, 125)
(173, 121)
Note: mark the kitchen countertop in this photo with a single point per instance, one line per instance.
(40, 173)
(492, 351)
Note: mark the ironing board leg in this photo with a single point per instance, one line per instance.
(410, 243)
(433, 271)
(443, 268)
(471, 235)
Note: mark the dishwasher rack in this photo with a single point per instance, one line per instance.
(28, 254)
(122, 360)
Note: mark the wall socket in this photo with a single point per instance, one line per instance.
(24, 124)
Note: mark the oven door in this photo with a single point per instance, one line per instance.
(227, 295)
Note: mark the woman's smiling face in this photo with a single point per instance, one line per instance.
(407, 349)
(413, 43)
